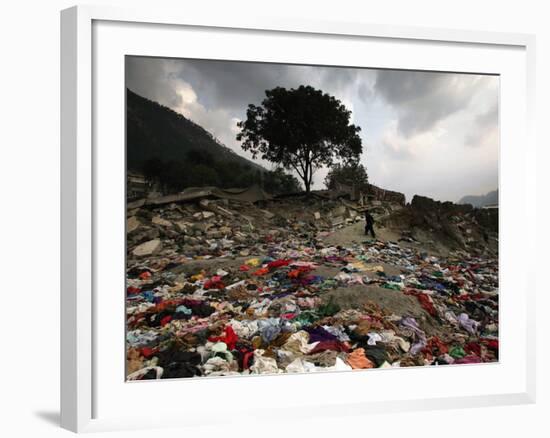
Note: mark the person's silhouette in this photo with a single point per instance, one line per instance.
(369, 222)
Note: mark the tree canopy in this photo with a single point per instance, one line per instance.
(351, 174)
(201, 169)
(300, 129)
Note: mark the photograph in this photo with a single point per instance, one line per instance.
(289, 218)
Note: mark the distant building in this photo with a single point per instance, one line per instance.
(137, 186)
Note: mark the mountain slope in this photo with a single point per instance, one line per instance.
(155, 131)
(177, 153)
(482, 200)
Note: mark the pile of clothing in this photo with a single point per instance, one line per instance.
(280, 312)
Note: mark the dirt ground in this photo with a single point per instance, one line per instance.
(355, 233)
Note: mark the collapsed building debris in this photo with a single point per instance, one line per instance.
(223, 283)
(251, 194)
(375, 193)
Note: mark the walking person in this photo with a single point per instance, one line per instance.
(369, 222)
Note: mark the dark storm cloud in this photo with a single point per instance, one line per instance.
(233, 85)
(413, 124)
(422, 99)
(230, 85)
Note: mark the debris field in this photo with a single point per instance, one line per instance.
(219, 286)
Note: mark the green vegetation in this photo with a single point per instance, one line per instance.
(177, 153)
(301, 129)
(350, 174)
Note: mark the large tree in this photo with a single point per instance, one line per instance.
(301, 129)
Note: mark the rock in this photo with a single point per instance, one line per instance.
(338, 211)
(157, 220)
(202, 227)
(148, 248)
(173, 234)
(132, 224)
(213, 208)
(213, 234)
(268, 214)
(203, 215)
(192, 240)
(144, 234)
(144, 213)
(199, 249)
(182, 226)
(240, 238)
(224, 212)
(187, 248)
(226, 230)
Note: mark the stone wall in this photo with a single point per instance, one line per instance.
(377, 194)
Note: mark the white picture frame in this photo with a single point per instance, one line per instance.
(85, 174)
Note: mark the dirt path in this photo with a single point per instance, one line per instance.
(355, 233)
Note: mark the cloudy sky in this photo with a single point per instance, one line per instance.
(434, 134)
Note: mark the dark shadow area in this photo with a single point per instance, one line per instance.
(52, 417)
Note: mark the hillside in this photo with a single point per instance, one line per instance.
(166, 146)
(155, 131)
(490, 198)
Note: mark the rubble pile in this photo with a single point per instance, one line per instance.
(452, 226)
(220, 287)
(388, 196)
(221, 228)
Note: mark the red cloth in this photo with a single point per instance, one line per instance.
(278, 263)
(473, 347)
(468, 359)
(133, 290)
(468, 297)
(163, 305)
(424, 300)
(148, 352)
(435, 346)
(295, 273)
(491, 343)
(146, 275)
(247, 357)
(230, 338)
(261, 271)
(214, 283)
(165, 320)
(330, 345)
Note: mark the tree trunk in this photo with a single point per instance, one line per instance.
(307, 182)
